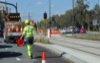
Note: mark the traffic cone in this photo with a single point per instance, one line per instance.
(43, 57)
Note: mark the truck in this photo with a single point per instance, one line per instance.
(13, 29)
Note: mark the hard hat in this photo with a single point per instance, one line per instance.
(27, 22)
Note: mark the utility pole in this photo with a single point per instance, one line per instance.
(98, 16)
(29, 16)
(73, 20)
(49, 13)
(15, 6)
(49, 24)
(6, 6)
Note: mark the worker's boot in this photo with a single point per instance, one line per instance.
(31, 57)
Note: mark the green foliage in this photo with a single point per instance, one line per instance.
(81, 14)
(43, 40)
(86, 37)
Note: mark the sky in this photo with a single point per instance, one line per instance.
(36, 8)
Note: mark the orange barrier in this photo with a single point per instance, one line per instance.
(55, 32)
(41, 31)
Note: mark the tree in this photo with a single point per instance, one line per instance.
(83, 16)
(81, 8)
(97, 15)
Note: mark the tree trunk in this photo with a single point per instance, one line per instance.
(88, 26)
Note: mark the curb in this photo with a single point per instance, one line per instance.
(65, 55)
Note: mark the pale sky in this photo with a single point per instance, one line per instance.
(36, 8)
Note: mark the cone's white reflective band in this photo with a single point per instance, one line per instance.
(43, 61)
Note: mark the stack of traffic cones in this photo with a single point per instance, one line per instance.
(44, 57)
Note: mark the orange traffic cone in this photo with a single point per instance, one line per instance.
(43, 57)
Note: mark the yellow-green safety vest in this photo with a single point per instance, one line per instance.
(28, 31)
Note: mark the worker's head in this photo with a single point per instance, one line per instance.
(27, 22)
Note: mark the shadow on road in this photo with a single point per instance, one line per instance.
(1, 36)
(38, 57)
(0, 41)
(6, 54)
(5, 46)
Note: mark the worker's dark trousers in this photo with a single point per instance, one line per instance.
(29, 43)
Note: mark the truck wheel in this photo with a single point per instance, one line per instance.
(6, 41)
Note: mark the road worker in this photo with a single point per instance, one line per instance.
(29, 38)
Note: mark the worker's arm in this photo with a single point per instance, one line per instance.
(23, 34)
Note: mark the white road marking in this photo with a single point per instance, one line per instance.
(18, 59)
(6, 48)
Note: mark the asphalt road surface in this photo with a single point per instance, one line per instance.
(11, 53)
